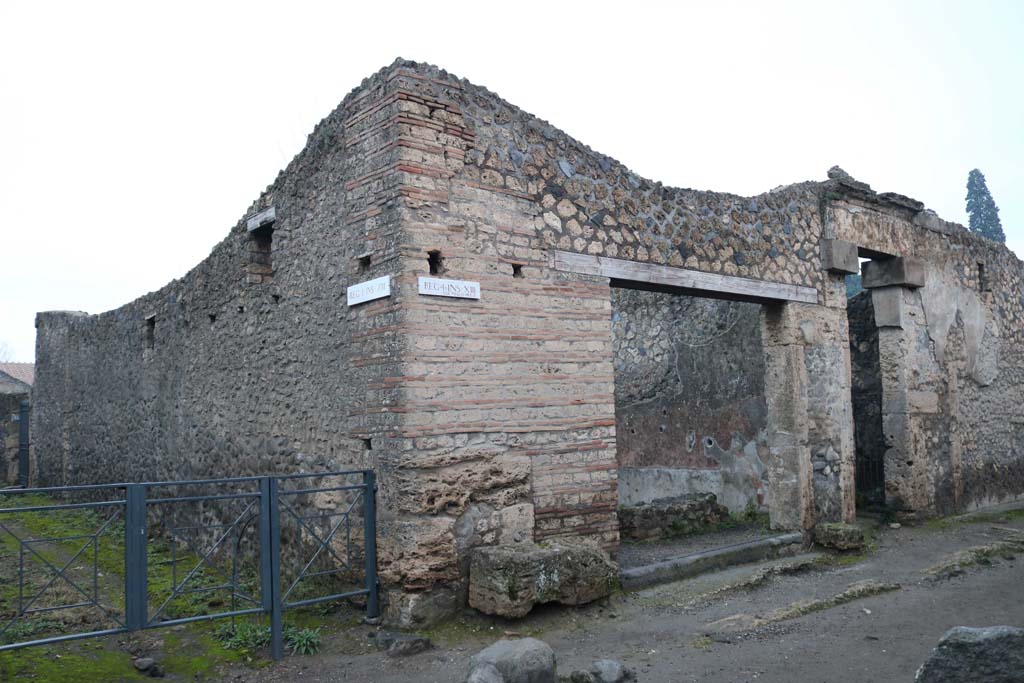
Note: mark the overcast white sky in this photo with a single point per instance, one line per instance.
(134, 135)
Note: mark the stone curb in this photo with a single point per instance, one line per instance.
(687, 566)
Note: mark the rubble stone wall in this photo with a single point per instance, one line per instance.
(494, 191)
(952, 357)
(493, 420)
(10, 405)
(244, 366)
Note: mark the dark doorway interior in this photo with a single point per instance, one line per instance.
(867, 401)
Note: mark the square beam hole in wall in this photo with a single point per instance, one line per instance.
(517, 270)
(435, 262)
(261, 246)
(149, 333)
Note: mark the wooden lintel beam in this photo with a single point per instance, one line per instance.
(711, 284)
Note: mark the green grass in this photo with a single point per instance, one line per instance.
(90, 662)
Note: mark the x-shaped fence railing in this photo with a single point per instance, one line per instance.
(244, 511)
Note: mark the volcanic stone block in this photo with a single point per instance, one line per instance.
(904, 271)
(888, 306)
(839, 536)
(526, 660)
(508, 580)
(840, 256)
(973, 655)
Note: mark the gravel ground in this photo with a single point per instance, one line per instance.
(659, 631)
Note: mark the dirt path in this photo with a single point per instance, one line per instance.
(660, 631)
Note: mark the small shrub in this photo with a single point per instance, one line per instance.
(249, 637)
(302, 641)
(245, 636)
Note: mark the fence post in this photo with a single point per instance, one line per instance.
(370, 541)
(273, 564)
(136, 610)
(266, 591)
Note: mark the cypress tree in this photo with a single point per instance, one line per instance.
(982, 212)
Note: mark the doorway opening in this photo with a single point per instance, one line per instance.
(691, 419)
(866, 397)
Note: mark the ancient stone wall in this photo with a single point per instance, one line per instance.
(10, 405)
(510, 411)
(952, 355)
(689, 399)
(251, 363)
(493, 420)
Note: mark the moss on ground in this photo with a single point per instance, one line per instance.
(68, 664)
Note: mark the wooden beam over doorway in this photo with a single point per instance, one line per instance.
(698, 282)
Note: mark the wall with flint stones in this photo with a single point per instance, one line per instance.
(489, 420)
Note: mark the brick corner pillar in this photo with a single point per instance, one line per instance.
(810, 418)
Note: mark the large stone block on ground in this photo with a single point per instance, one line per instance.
(839, 536)
(508, 580)
(526, 660)
(973, 655)
(671, 517)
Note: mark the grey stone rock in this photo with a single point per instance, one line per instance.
(972, 655)
(402, 644)
(526, 660)
(144, 663)
(611, 671)
(579, 677)
(485, 673)
(843, 178)
(839, 536)
(510, 580)
(902, 200)
(420, 609)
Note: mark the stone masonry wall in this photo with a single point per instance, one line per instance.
(492, 420)
(952, 355)
(510, 406)
(508, 425)
(689, 399)
(10, 404)
(250, 365)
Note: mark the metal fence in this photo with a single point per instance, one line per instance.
(165, 553)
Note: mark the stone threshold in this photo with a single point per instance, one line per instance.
(687, 566)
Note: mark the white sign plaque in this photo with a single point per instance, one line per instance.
(377, 288)
(460, 289)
